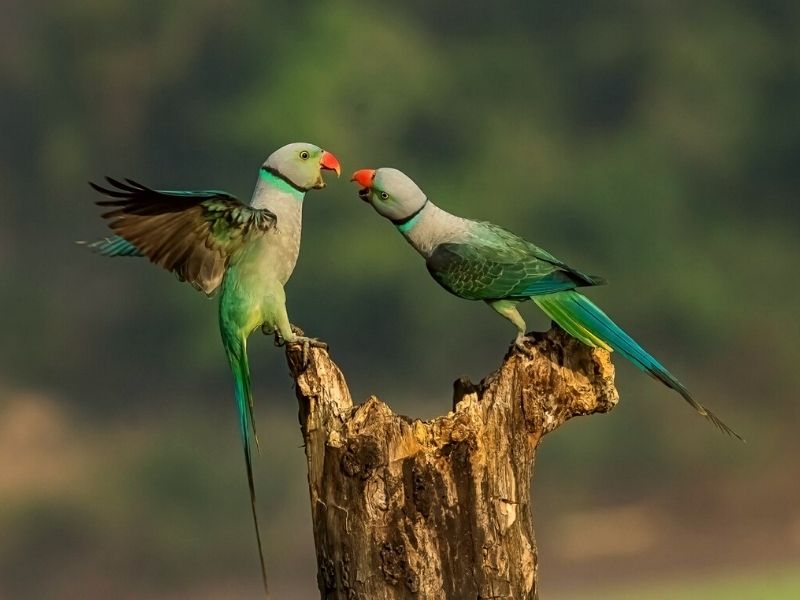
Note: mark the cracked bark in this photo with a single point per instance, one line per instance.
(405, 508)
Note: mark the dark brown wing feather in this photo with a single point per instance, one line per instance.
(192, 234)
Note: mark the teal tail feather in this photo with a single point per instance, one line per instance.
(236, 349)
(113, 246)
(581, 318)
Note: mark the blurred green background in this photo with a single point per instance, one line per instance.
(655, 143)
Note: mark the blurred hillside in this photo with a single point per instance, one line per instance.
(654, 144)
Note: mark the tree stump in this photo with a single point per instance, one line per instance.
(439, 509)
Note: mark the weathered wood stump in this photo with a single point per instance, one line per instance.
(438, 509)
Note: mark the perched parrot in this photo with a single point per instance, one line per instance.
(476, 260)
(212, 240)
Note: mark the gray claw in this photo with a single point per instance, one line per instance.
(266, 330)
(307, 343)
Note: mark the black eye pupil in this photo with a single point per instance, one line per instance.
(384, 195)
(304, 154)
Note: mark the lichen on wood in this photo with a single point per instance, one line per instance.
(441, 509)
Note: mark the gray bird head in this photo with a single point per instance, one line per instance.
(301, 164)
(390, 192)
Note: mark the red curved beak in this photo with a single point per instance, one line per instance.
(329, 161)
(364, 177)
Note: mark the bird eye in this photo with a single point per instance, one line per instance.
(304, 154)
(384, 195)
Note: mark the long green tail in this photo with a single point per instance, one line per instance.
(236, 349)
(581, 318)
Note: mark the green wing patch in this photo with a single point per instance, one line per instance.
(494, 263)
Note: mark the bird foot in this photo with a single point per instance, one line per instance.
(307, 343)
(279, 339)
(519, 344)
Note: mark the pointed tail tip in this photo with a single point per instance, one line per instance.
(667, 378)
(722, 426)
(264, 583)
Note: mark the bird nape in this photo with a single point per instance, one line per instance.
(212, 240)
(477, 260)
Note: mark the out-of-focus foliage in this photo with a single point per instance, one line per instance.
(656, 144)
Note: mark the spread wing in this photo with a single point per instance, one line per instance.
(191, 233)
(493, 263)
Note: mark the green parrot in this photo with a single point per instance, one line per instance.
(476, 260)
(212, 240)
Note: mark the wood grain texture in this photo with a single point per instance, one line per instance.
(438, 509)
